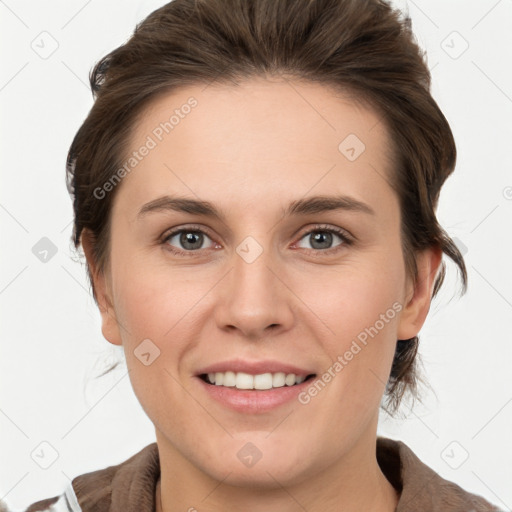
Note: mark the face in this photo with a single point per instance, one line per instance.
(252, 280)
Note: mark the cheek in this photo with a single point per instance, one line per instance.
(359, 308)
(353, 297)
(154, 310)
(150, 300)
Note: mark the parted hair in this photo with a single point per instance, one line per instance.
(363, 48)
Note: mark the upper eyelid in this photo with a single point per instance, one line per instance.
(174, 231)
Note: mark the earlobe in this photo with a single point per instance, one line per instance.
(102, 291)
(417, 303)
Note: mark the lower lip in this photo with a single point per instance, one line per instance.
(256, 400)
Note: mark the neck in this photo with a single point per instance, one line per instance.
(355, 483)
(385, 499)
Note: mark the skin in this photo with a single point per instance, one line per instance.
(251, 150)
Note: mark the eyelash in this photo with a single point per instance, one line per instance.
(345, 237)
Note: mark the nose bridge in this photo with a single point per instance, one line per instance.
(254, 297)
(251, 273)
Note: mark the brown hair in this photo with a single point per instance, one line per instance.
(361, 47)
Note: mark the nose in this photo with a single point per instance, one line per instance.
(254, 298)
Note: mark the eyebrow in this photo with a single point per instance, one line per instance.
(306, 206)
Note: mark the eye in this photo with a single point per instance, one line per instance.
(187, 240)
(321, 239)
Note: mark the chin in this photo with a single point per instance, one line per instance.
(260, 463)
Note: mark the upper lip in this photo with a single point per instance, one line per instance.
(254, 367)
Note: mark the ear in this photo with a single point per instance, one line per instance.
(102, 290)
(419, 294)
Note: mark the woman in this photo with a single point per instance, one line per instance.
(255, 191)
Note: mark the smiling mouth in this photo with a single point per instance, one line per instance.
(247, 381)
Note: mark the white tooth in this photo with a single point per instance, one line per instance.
(229, 379)
(278, 380)
(244, 381)
(263, 381)
(290, 379)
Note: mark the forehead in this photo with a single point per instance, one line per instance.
(210, 141)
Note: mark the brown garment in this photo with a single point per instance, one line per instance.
(130, 486)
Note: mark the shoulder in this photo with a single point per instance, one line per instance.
(40, 506)
(96, 490)
(56, 504)
(420, 486)
(43, 505)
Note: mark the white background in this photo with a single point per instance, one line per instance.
(51, 343)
